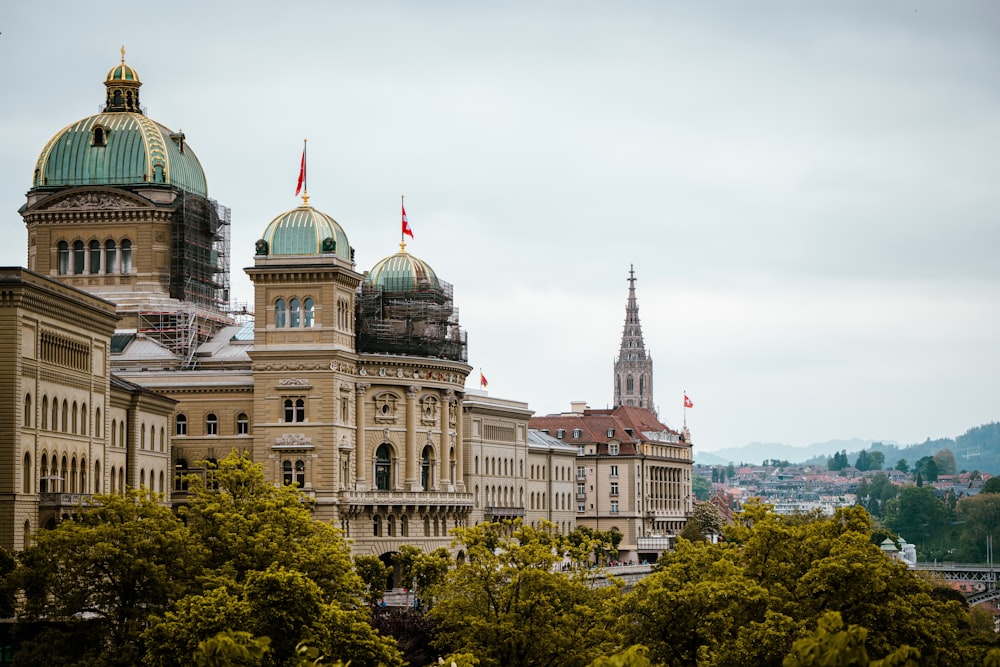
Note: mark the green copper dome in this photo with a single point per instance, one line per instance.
(306, 231)
(402, 272)
(120, 146)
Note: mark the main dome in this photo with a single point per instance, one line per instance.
(402, 272)
(120, 146)
(306, 231)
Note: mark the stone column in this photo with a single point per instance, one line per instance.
(459, 480)
(412, 480)
(361, 459)
(444, 445)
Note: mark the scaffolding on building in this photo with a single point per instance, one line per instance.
(200, 253)
(424, 322)
(183, 329)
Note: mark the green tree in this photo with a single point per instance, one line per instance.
(833, 645)
(992, 485)
(945, 461)
(700, 487)
(508, 604)
(103, 575)
(915, 513)
(980, 516)
(374, 575)
(902, 465)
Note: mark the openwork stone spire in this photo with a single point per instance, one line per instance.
(634, 366)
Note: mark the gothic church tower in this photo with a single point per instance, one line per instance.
(634, 366)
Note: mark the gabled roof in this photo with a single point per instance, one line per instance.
(626, 425)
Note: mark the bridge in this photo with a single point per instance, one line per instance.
(978, 580)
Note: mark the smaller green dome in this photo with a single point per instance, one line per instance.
(403, 272)
(305, 231)
(120, 73)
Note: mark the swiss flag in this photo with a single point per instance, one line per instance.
(406, 224)
(687, 402)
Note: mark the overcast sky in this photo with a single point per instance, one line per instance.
(808, 191)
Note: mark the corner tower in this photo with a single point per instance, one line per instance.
(634, 366)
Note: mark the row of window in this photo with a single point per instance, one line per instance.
(94, 257)
(437, 525)
(212, 424)
(492, 464)
(67, 474)
(539, 471)
(295, 313)
(64, 417)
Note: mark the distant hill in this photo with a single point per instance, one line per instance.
(976, 449)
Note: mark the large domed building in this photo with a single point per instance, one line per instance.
(132, 371)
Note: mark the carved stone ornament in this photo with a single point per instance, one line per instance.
(293, 440)
(362, 372)
(293, 382)
(94, 200)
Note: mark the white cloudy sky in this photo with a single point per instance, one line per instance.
(808, 191)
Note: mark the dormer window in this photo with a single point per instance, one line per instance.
(611, 433)
(561, 433)
(613, 449)
(100, 136)
(577, 433)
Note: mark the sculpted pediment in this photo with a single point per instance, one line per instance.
(92, 200)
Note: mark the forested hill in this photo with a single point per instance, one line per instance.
(976, 449)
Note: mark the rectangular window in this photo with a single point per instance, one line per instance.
(581, 489)
(577, 433)
(581, 451)
(614, 471)
(611, 433)
(560, 433)
(614, 488)
(614, 507)
(613, 449)
(581, 472)
(581, 507)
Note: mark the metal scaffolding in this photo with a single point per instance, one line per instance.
(422, 322)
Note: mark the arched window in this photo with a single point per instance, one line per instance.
(163, 438)
(121, 441)
(211, 424)
(72, 476)
(279, 313)
(404, 526)
(65, 416)
(62, 258)
(383, 467)
(73, 421)
(628, 384)
(45, 411)
(161, 482)
(55, 413)
(286, 472)
(142, 477)
(142, 436)
(427, 526)
(79, 257)
(110, 256)
(642, 386)
(97, 423)
(26, 473)
(377, 526)
(83, 475)
(300, 410)
(95, 256)
(97, 476)
(293, 313)
(99, 136)
(126, 256)
(300, 473)
(43, 471)
(425, 468)
(27, 410)
(242, 424)
(390, 524)
(180, 425)
(63, 474)
(308, 312)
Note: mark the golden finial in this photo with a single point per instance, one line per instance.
(402, 246)
(305, 199)
(123, 54)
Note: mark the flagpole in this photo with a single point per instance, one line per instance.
(305, 172)
(684, 399)
(402, 229)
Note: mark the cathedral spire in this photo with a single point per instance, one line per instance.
(634, 366)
